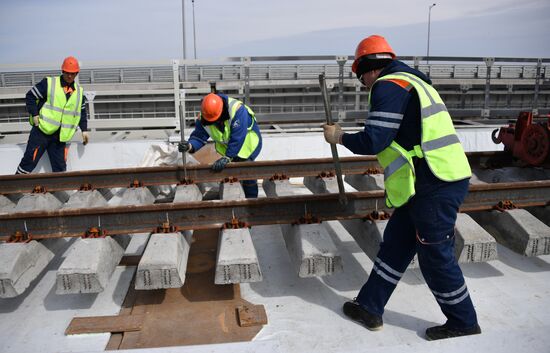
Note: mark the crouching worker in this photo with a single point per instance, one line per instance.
(232, 126)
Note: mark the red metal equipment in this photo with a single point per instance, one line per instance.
(526, 139)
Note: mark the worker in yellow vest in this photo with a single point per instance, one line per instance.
(56, 107)
(426, 177)
(232, 126)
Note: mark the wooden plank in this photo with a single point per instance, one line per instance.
(101, 324)
(251, 315)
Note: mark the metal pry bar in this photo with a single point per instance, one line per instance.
(342, 194)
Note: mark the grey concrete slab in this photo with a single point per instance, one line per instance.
(6, 205)
(86, 199)
(311, 250)
(472, 242)
(518, 230)
(321, 185)
(38, 202)
(88, 266)
(231, 191)
(365, 182)
(237, 260)
(274, 188)
(20, 264)
(186, 193)
(137, 196)
(368, 235)
(309, 246)
(132, 196)
(164, 262)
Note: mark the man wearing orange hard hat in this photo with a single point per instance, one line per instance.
(426, 176)
(232, 126)
(56, 106)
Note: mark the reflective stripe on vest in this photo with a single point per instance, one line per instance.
(221, 140)
(439, 145)
(60, 113)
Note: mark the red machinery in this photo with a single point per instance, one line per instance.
(526, 139)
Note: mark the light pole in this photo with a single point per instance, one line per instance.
(183, 26)
(429, 20)
(194, 35)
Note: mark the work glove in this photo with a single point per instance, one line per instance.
(185, 146)
(36, 120)
(220, 164)
(85, 138)
(333, 133)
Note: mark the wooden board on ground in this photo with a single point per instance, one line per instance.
(198, 313)
(251, 315)
(102, 324)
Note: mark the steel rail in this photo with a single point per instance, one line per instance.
(110, 178)
(148, 176)
(213, 214)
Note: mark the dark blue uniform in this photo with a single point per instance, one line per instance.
(39, 142)
(424, 225)
(239, 129)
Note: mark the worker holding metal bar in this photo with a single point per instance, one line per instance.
(233, 127)
(426, 176)
(57, 107)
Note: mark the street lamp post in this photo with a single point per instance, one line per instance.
(183, 26)
(429, 21)
(194, 33)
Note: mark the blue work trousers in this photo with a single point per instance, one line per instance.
(39, 143)
(425, 226)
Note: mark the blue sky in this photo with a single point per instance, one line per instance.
(43, 32)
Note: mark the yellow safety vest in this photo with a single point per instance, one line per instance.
(439, 145)
(60, 113)
(222, 139)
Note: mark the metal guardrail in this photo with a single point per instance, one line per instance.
(279, 87)
(279, 69)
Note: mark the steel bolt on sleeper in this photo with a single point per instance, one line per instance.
(186, 181)
(377, 216)
(20, 237)
(95, 232)
(39, 189)
(235, 224)
(371, 171)
(136, 184)
(86, 187)
(504, 205)
(166, 227)
(307, 218)
(325, 175)
(230, 180)
(278, 177)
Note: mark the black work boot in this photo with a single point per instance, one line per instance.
(355, 311)
(440, 332)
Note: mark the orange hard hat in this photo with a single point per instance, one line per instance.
(372, 45)
(211, 107)
(70, 64)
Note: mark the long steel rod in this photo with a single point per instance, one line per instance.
(212, 214)
(110, 178)
(326, 101)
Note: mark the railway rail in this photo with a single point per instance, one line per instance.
(151, 176)
(214, 214)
